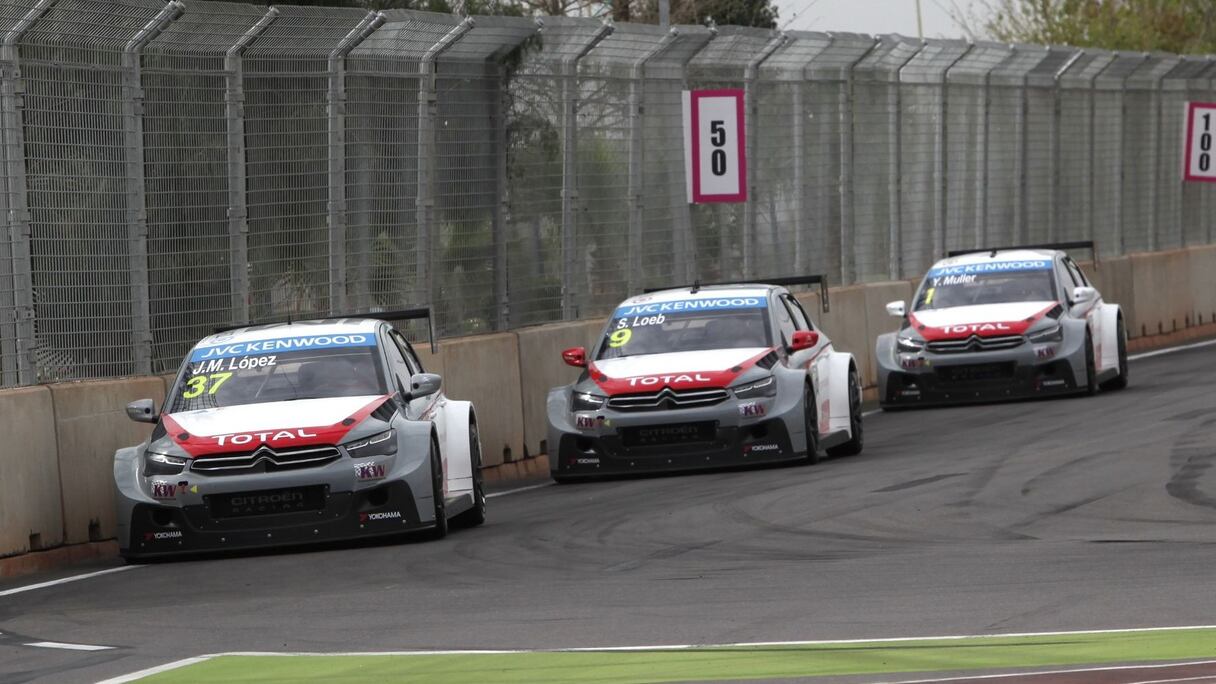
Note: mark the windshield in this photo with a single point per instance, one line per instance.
(279, 370)
(988, 283)
(689, 325)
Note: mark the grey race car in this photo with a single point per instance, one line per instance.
(704, 377)
(1002, 324)
(297, 433)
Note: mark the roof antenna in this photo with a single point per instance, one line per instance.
(993, 254)
(696, 285)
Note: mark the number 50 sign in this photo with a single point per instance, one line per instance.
(714, 161)
(1200, 132)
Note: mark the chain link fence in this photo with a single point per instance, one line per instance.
(171, 168)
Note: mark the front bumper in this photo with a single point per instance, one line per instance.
(343, 499)
(157, 530)
(732, 433)
(929, 379)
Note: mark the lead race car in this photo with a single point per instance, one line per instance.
(1002, 324)
(296, 433)
(705, 377)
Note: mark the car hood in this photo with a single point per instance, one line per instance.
(677, 370)
(984, 320)
(281, 424)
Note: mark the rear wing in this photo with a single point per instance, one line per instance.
(387, 316)
(820, 280)
(1078, 244)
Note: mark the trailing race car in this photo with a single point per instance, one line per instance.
(295, 433)
(705, 377)
(1002, 324)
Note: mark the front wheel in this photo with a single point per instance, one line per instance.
(477, 514)
(811, 424)
(1091, 373)
(1119, 382)
(441, 514)
(855, 443)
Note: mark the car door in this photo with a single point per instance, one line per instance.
(792, 317)
(1091, 314)
(428, 408)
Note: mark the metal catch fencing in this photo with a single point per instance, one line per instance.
(170, 168)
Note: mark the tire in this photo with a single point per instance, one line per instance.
(811, 424)
(856, 439)
(1120, 382)
(477, 514)
(440, 530)
(1091, 373)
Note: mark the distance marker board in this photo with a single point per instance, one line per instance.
(715, 162)
(1200, 134)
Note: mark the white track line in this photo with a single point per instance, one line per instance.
(68, 647)
(1036, 673)
(65, 580)
(1171, 350)
(520, 489)
(122, 679)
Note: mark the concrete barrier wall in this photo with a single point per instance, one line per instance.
(485, 369)
(31, 515)
(90, 425)
(55, 465)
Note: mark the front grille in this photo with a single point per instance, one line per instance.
(975, 343)
(265, 460)
(977, 372)
(669, 435)
(667, 399)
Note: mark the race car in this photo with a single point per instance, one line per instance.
(705, 377)
(1000, 324)
(296, 433)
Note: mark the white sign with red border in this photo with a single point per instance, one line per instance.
(715, 162)
(1200, 153)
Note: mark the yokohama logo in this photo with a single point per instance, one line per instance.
(387, 515)
(157, 536)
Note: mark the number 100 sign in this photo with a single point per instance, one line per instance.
(714, 161)
(1200, 134)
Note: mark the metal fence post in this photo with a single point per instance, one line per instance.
(848, 259)
(12, 122)
(502, 203)
(981, 163)
(238, 217)
(137, 212)
(1053, 139)
(570, 102)
(637, 153)
(750, 75)
(894, 161)
(336, 114)
(1154, 200)
(1020, 227)
(427, 163)
(940, 165)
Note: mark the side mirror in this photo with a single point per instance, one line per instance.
(897, 309)
(575, 356)
(1084, 295)
(142, 411)
(424, 385)
(804, 339)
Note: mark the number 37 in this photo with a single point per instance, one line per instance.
(196, 385)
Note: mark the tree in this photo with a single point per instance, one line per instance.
(1179, 26)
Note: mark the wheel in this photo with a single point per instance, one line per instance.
(1121, 381)
(477, 514)
(855, 443)
(440, 530)
(1091, 374)
(811, 424)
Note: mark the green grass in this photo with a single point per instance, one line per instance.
(712, 663)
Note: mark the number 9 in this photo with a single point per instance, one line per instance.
(620, 338)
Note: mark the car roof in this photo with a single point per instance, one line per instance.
(276, 331)
(998, 256)
(707, 292)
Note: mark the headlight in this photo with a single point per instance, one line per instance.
(588, 402)
(1050, 335)
(761, 388)
(162, 464)
(379, 444)
(909, 344)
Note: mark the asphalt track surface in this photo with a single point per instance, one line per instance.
(1086, 513)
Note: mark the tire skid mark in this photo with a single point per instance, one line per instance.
(1192, 456)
